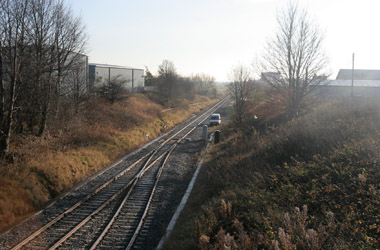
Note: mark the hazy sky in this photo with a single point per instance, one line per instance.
(211, 36)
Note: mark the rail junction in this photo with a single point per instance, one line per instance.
(121, 207)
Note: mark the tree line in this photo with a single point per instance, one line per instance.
(41, 46)
(171, 86)
(44, 74)
(293, 65)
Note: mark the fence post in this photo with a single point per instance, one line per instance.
(217, 137)
(204, 135)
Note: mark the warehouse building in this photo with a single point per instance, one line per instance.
(99, 74)
(75, 77)
(366, 83)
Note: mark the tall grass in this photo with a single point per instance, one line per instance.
(43, 168)
(311, 183)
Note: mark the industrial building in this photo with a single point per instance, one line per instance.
(366, 83)
(99, 74)
(75, 79)
(363, 83)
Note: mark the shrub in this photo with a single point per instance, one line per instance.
(327, 159)
(43, 167)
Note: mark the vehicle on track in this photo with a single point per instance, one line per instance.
(215, 119)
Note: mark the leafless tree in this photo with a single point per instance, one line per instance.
(40, 40)
(70, 40)
(172, 86)
(66, 40)
(13, 25)
(239, 88)
(75, 86)
(205, 83)
(167, 77)
(43, 52)
(294, 56)
(185, 88)
(150, 79)
(2, 87)
(114, 89)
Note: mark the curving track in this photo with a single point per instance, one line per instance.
(115, 213)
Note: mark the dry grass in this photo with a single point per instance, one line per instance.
(45, 167)
(15, 199)
(326, 161)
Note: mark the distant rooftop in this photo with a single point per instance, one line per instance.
(347, 83)
(270, 77)
(111, 66)
(359, 74)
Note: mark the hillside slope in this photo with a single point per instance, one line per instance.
(311, 183)
(42, 168)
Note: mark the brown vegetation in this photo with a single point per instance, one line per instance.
(41, 168)
(294, 58)
(41, 46)
(311, 183)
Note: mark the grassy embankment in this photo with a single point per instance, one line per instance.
(43, 168)
(312, 183)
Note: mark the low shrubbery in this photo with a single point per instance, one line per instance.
(311, 183)
(41, 168)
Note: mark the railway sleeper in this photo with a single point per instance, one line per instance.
(123, 226)
(111, 246)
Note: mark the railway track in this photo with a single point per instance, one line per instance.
(113, 215)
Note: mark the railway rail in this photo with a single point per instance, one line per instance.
(113, 215)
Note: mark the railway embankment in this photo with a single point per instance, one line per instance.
(41, 169)
(308, 183)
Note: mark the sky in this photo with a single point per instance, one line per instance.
(213, 36)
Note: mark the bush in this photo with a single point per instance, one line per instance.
(43, 167)
(327, 162)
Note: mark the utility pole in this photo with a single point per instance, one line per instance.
(352, 79)
(109, 75)
(133, 83)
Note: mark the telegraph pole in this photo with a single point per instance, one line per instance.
(133, 83)
(352, 79)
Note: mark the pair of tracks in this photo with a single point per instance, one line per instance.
(113, 215)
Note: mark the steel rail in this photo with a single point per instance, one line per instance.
(142, 220)
(132, 186)
(150, 154)
(137, 230)
(143, 217)
(138, 176)
(59, 217)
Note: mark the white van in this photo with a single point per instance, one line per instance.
(215, 119)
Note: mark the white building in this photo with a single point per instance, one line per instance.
(100, 73)
(366, 83)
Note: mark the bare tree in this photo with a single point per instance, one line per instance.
(185, 88)
(205, 83)
(239, 88)
(150, 79)
(295, 57)
(167, 77)
(75, 86)
(43, 52)
(40, 40)
(66, 41)
(113, 89)
(13, 25)
(70, 41)
(2, 87)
